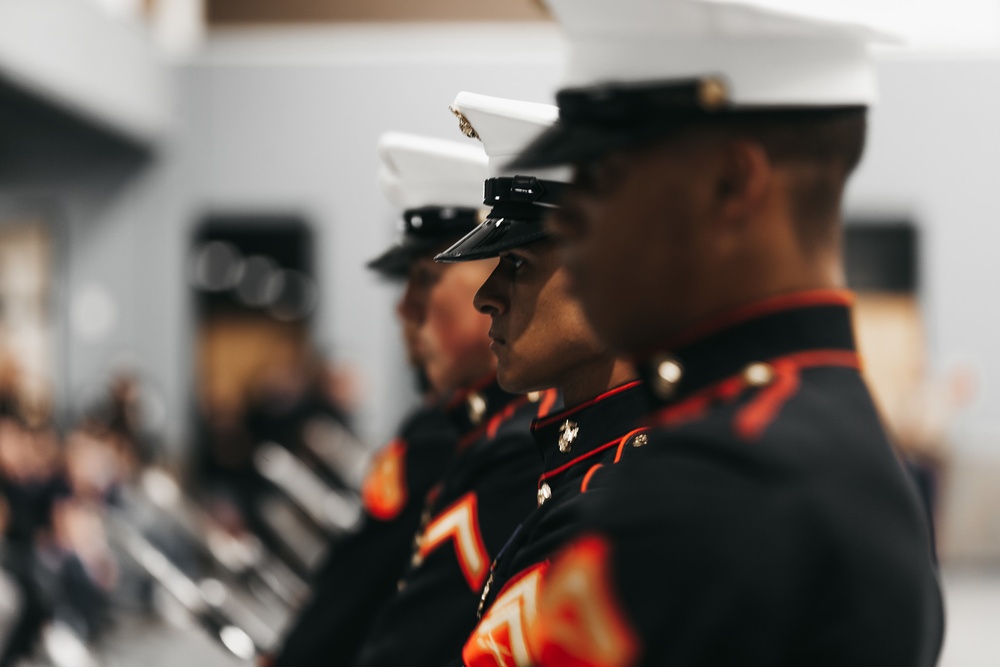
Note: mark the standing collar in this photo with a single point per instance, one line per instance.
(571, 436)
(471, 408)
(746, 340)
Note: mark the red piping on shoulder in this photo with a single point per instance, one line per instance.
(753, 419)
(569, 464)
(549, 398)
(590, 473)
(624, 441)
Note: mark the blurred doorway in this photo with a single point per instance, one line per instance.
(27, 366)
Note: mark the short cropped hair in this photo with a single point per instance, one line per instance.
(823, 147)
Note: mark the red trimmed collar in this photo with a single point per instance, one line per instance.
(588, 428)
(471, 409)
(726, 345)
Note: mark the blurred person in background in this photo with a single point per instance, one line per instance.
(287, 402)
(767, 520)
(55, 547)
(541, 340)
(490, 485)
(11, 592)
(31, 485)
(444, 194)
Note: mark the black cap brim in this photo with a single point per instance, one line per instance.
(493, 237)
(395, 262)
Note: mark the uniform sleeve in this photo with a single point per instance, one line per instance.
(687, 563)
(705, 554)
(362, 571)
(435, 612)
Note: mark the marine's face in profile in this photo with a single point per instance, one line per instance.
(539, 333)
(447, 334)
(630, 239)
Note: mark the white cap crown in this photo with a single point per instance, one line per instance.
(505, 127)
(422, 171)
(767, 57)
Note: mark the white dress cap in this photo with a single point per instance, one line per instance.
(422, 171)
(765, 57)
(505, 127)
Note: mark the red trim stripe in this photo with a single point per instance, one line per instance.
(549, 398)
(542, 423)
(564, 467)
(624, 441)
(754, 419)
(490, 426)
(589, 475)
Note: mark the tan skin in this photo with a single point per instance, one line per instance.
(540, 335)
(657, 240)
(441, 328)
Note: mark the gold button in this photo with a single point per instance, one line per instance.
(477, 408)
(567, 435)
(758, 374)
(712, 94)
(544, 494)
(669, 373)
(417, 560)
(640, 440)
(534, 396)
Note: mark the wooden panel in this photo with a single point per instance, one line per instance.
(230, 12)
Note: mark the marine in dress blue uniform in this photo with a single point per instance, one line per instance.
(467, 517)
(766, 520)
(576, 442)
(436, 183)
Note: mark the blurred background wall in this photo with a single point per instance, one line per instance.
(127, 125)
(277, 112)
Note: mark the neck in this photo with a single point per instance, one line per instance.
(589, 380)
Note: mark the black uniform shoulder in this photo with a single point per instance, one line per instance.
(792, 514)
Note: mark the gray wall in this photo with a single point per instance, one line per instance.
(298, 132)
(287, 122)
(932, 155)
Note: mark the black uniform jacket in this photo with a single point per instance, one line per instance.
(489, 489)
(361, 572)
(766, 522)
(575, 444)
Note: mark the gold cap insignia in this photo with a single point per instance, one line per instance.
(713, 94)
(463, 124)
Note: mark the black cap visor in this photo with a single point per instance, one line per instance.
(425, 231)
(599, 120)
(394, 263)
(596, 120)
(504, 229)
